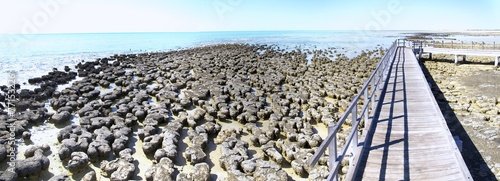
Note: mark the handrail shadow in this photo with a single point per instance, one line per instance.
(471, 155)
(370, 89)
(376, 120)
(406, 153)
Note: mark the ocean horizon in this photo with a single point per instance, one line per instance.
(34, 55)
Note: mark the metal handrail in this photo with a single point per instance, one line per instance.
(417, 48)
(377, 76)
(456, 44)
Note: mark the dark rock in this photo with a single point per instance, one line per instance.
(200, 172)
(223, 113)
(212, 128)
(126, 154)
(72, 104)
(108, 167)
(151, 122)
(319, 173)
(269, 171)
(237, 175)
(37, 115)
(195, 154)
(176, 108)
(249, 166)
(82, 112)
(227, 133)
(90, 176)
(140, 114)
(183, 177)
(30, 151)
(149, 130)
(199, 114)
(26, 135)
(61, 117)
(8, 176)
(64, 152)
(186, 103)
(315, 141)
(169, 145)
(66, 109)
(66, 68)
(174, 126)
(119, 72)
(32, 166)
(119, 169)
(163, 170)
(109, 97)
(25, 94)
(45, 147)
(289, 149)
(104, 133)
(200, 140)
(272, 152)
(191, 122)
(124, 173)
(3, 152)
(151, 143)
(74, 131)
(98, 149)
(78, 162)
(234, 152)
(22, 105)
(59, 102)
(104, 83)
(120, 143)
(62, 177)
(98, 122)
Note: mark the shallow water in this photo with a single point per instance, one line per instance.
(35, 55)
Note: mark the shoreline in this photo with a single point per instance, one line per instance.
(274, 95)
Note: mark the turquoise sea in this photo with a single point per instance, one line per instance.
(35, 55)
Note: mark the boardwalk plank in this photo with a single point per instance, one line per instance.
(409, 138)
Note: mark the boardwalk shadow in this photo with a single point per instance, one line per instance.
(395, 81)
(470, 153)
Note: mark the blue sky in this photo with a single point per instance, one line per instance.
(78, 16)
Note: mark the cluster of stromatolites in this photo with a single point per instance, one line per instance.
(176, 104)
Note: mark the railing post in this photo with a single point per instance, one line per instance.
(354, 113)
(380, 72)
(420, 52)
(365, 105)
(413, 47)
(374, 93)
(332, 149)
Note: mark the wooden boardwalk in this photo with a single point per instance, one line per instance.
(408, 138)
(463, 53)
